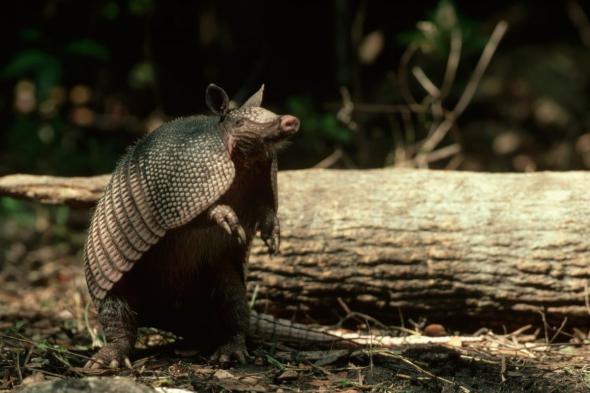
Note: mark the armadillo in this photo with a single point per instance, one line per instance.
(169, 240)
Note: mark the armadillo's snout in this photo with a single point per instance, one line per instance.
(289, 124)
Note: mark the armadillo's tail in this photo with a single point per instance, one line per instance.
(267, 327)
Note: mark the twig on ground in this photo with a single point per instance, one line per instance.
(254, 296)
(426, 372)
(344, 306)
(24, 340)
(545, 326)
(354, 314)
(96, 342)
(391, 342)
(520, 330)
(18, 371)
(558, 331)
(28, 356)
(401, 318)
(45, 372)
(503, 368)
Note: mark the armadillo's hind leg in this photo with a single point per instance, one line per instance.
(120, 329)
(234, 318)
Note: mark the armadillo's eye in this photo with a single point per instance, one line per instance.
(238, 122)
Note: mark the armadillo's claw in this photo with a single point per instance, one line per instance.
(241, 235)
(271, 245)
(225, 217)
(94, 364)
(110, 356)
(270, 232)
(233, 350)
(226, 227)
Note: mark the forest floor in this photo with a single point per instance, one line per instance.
(47, 329)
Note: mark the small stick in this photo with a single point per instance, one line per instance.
(545, 327)
(520, 330)
(558, 330)
(452, 63)
(443, 153)
(431, 375)
(481, 66)
(580, 20)
(24, 340)
(18, 371)
(330, 160)
(425, 82)
(45, 372)
(402, 75)
(254, 296)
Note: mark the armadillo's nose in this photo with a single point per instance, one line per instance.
(289, 124)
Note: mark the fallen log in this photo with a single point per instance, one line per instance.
(71, 191)
(500, 247)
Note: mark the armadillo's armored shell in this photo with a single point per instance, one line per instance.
(163, 182)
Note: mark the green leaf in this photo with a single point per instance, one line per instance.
(19, 324)
(142, 75)
(88, 48)
(47, 77)
(16, 210)
(275, 363)
(110, 11)
(445, 15)
(26, 62)
(140, 7)
(44, 67)
(433, 35)
(61, 215)
(30, 35)
(320, 130)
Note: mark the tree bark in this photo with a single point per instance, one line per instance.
(71, 191)
(499, 247)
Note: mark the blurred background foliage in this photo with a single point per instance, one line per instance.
(80, 81)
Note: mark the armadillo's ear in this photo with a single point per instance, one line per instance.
(217, 100)
(256, 99)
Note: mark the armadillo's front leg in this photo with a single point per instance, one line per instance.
(225, 217)
(270, 231)
(120, 329)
